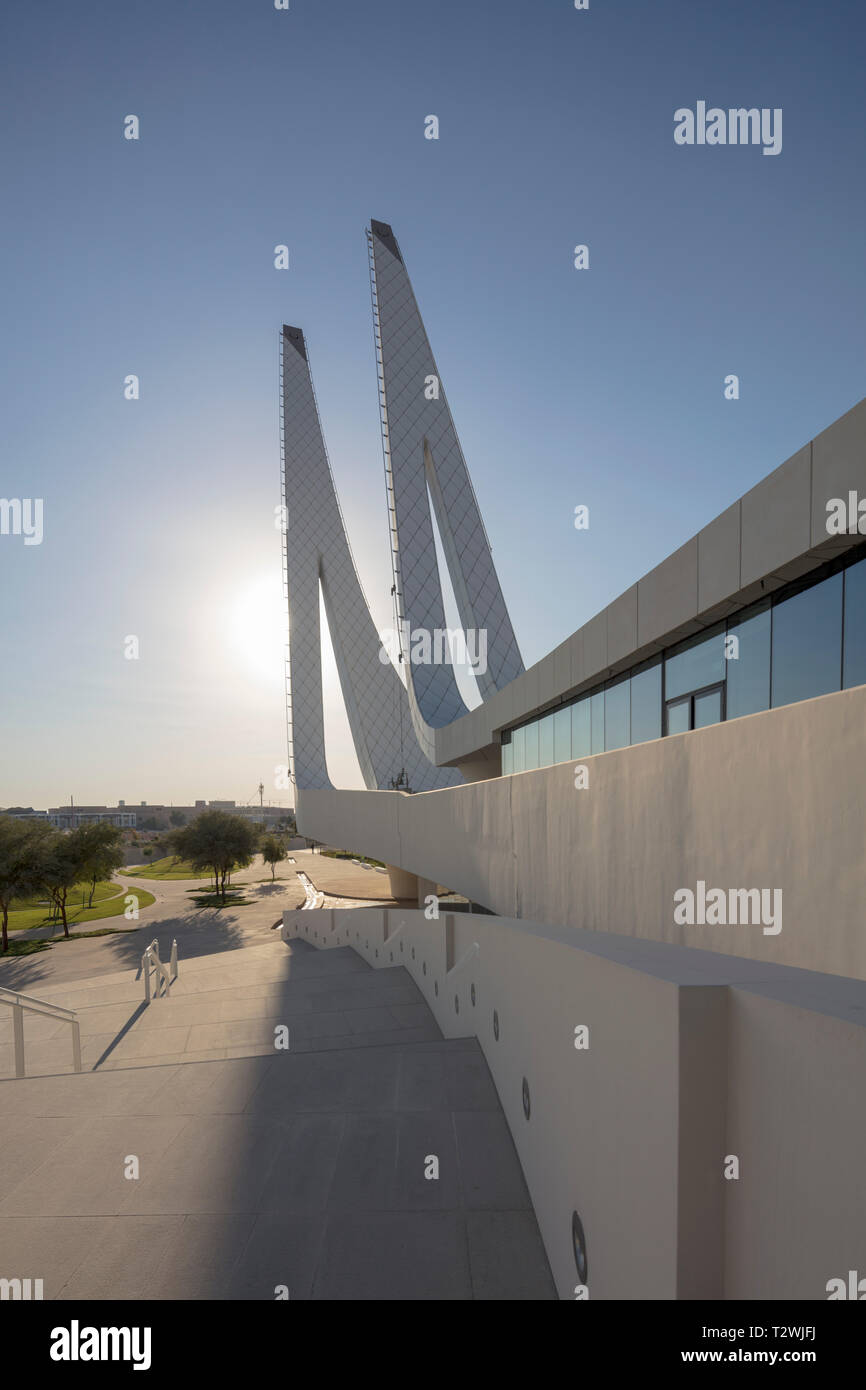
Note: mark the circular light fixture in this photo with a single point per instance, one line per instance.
(578, 1240)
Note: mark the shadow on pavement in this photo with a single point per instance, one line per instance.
(198, 933)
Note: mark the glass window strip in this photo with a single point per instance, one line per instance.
(588, 730)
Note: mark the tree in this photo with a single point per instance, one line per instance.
(273, 850)
(177, 818)
(100, 845)
(64, 864)
(218, 842)
(22, 851)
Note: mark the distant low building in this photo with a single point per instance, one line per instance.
(70, 817)
(150, 817)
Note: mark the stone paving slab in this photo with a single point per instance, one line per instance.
(303, 1168)
(282, 1251)
(506, 1259)
(418, 1255)
(222, 1006)
(37, 1027)
(340, 878)
(84, 1175)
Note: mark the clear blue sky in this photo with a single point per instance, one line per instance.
(602, 387)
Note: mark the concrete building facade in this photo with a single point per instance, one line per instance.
(667, 816)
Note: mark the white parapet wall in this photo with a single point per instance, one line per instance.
(652, 1074)
(773, 802)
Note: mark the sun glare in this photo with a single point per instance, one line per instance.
(259, 628)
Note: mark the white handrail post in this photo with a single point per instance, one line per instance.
(19, 1004)
(158, 971)
(174, 959)
(145, 965)
(18, 1031)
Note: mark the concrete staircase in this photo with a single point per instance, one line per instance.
(224, 1005)
(261, 1169)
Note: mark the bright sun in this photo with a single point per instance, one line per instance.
(259, 627)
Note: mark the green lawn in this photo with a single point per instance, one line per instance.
(105, 889)
(110, 903)
(169, 867)
(25, 948)
(347, 854)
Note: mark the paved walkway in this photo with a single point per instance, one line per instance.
(302, 1168)
(342, 878)
(223, 1005)
(199, 931)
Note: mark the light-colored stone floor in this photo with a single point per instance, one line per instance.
(303, 1168)
(342, 880)
(222, 1005)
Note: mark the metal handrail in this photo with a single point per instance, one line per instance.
(18, 1003)
(167, 974)
(37, 1005)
